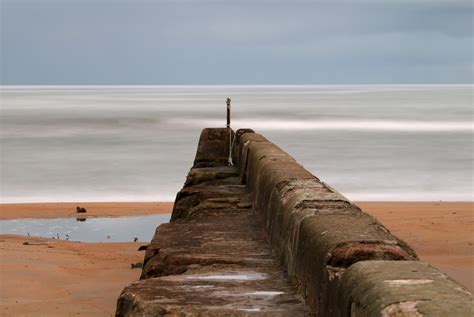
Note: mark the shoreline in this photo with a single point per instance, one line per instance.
(94, 209)
(49, 210)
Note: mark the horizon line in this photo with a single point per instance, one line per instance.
(223, 85)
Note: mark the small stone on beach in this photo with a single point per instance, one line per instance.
(137, 265)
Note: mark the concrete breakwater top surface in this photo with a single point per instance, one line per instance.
(266, 237)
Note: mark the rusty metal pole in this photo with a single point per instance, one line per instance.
(230, 131)
(228, 111)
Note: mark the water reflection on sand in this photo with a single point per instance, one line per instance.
(120, 229)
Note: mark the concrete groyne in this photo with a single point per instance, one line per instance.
(266, 237)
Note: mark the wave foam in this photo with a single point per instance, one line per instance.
(64, 198)
(338, 125)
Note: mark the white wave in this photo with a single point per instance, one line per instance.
(356, 196)
(336, 125)
(65, 198)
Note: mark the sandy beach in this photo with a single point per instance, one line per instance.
(65, 210)
(442, 233)
(62, 278)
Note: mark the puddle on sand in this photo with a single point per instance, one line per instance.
(120, 229)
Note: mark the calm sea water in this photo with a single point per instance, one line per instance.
(121, 229)
(129, 143)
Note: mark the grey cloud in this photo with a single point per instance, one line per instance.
(160, 42)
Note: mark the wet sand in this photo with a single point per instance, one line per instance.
(66, 210)
(64, 278)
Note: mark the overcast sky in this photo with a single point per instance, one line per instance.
(236, 42)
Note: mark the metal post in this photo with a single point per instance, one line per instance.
(228, 111)
(230, 131)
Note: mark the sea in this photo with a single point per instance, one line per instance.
(137, 143)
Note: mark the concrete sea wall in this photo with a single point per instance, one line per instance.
(277, 229)
(344, 261)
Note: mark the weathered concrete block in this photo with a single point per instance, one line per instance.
(236, 146)
(386, 288)
(220, 175)
(290, 205)
(290, 196)
(215, 291)
(266, 172)
(329, 243)
(213, 148)
(228, 238)
(190, 197)
(242, 148)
